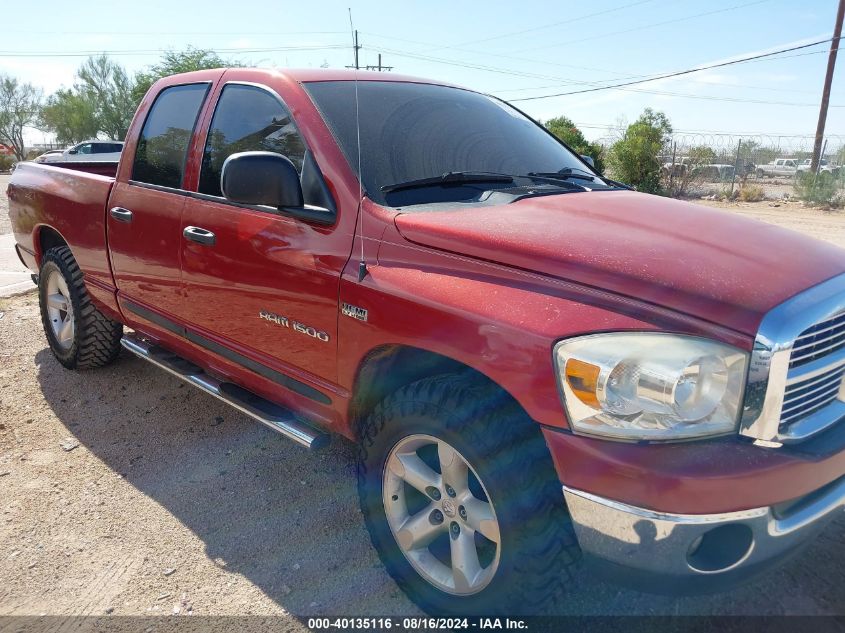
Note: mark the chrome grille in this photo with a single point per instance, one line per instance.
(807, 396)
(797, 368)
(818, 340)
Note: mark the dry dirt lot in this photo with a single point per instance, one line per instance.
(124, 492)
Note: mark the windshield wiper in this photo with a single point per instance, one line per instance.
(565, 174)
(449, 178)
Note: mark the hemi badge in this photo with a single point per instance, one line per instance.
(353, 311)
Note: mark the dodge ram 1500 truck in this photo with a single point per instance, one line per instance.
(538, 364)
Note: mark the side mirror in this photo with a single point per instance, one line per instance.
(73, 151)
(589, 160)
(261, 178)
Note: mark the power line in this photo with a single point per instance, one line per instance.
(645, 26)
(158, 51)
(677, 73)
(548, 26)
(422, 56)
(226, 33)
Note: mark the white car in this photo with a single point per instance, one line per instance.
(52, 154)
(824, 167)
(780, 167)
(89, 151)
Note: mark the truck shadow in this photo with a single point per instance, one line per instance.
(288, 520)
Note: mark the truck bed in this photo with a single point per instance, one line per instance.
(71, 200)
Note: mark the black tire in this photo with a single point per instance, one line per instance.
(96, 340)
(538, 551)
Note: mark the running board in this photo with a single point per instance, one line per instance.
(268, 413)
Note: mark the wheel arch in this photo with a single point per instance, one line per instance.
(387, 368)
(46, 237)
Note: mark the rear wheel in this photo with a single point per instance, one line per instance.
(462, 502)
(79, 335)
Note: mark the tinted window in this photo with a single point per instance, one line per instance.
(84, 149)
(163, 144)
(411, 131)
(247, 119)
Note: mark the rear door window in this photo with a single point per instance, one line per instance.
(247, 118)
(163, 143)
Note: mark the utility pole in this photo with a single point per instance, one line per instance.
(379, 67)
(828, 80)
(356, 47)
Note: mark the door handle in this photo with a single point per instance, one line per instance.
(199, 235)
(121, 215)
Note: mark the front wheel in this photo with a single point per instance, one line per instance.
(462, 502)
(80, 336)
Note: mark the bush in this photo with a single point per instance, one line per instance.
(6, 162)
(635, 158)
(563, 128)
(688, 173)
(818, 190)
(751, 193)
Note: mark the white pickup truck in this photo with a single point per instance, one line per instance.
(824, 167)
(779, 167)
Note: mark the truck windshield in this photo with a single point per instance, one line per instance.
(412, 133)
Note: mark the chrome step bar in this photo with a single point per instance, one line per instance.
(268, 413)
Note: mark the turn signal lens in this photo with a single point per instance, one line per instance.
(583, 379)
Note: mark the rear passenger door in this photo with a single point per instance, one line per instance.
(144, 223)
(264, 290)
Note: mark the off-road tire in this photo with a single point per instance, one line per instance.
(538, 551)
(96, 340)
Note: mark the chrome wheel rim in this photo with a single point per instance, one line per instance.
(440, 515)
(60, 310)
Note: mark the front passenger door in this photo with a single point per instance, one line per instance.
(258, 260)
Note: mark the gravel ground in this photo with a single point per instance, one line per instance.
(5, 225)
(124, 491)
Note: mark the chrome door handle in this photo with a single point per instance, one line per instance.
(199, 235)
(121, 215)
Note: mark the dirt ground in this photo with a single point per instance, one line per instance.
(5, 225)
(125, 492)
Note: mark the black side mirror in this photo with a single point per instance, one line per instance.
(589, 160)
(261, 178)
(73, 151)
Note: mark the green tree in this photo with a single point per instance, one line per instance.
(175, 62)
(635, 158)
(563, 128)
(20, 107)
(106, 84)
(71, 116)
(100, 103)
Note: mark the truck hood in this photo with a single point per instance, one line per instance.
(700, 261)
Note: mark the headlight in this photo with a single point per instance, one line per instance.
(650, 385)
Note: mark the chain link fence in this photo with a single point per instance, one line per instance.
(751, 167)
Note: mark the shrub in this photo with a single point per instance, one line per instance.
(635, 158)
(751, 193)
(563, 128)
(688, 173)
(819, 190)
(6, 162)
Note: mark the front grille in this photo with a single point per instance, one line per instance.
(816, 371)
(797, 368)
(818, 341)
(804, 397)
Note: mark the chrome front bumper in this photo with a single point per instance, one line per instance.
(656, 546)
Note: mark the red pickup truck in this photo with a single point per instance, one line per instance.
(538, 364)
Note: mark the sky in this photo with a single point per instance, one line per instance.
(514, 50)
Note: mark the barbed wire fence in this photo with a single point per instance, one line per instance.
(695, 164)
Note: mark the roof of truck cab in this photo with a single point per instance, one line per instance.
(306, 75)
